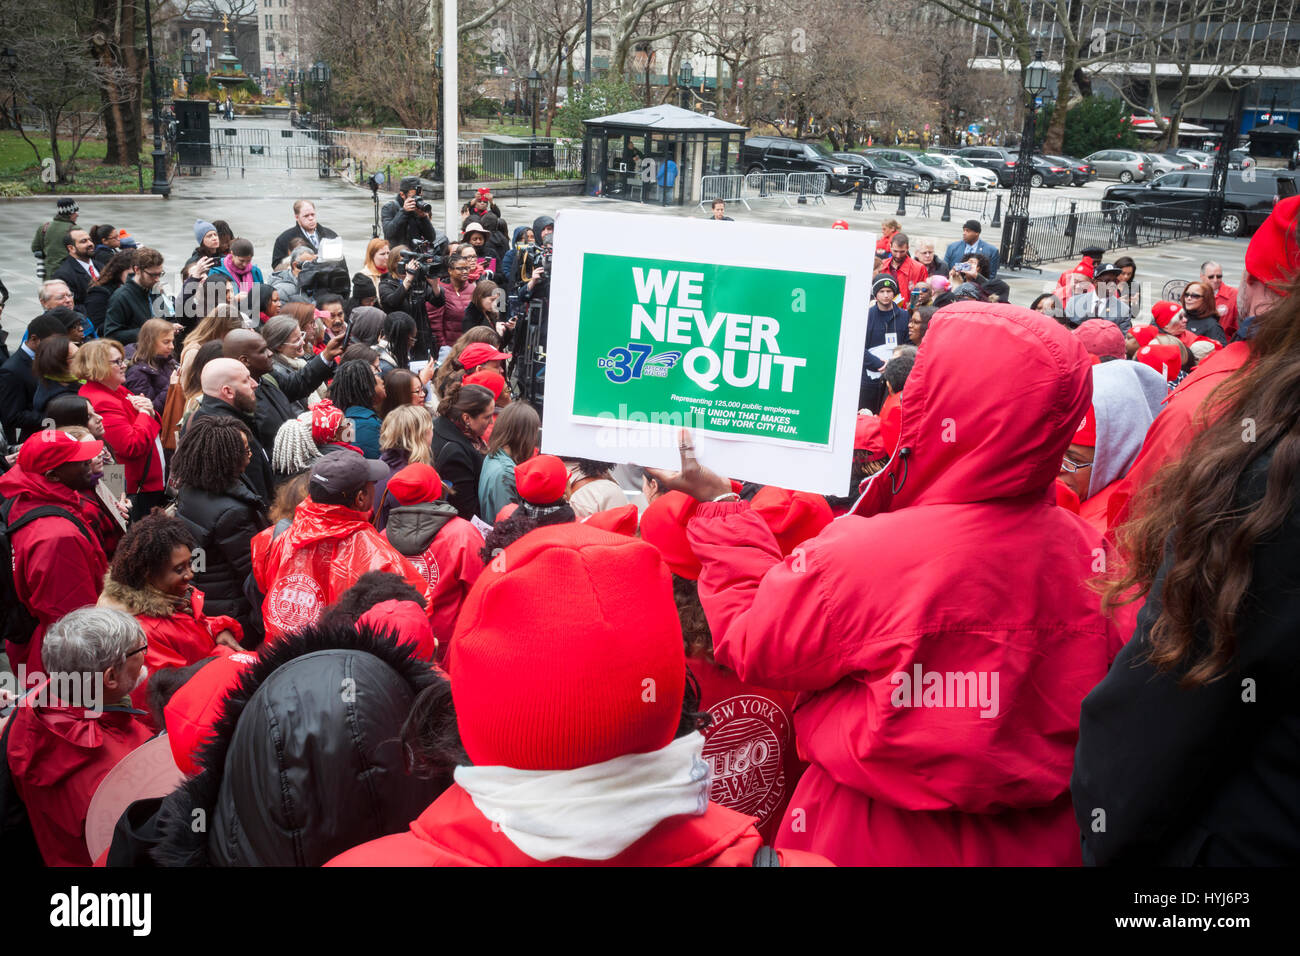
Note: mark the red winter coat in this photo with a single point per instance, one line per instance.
(176, 639)
(308, 567)
(450, 562)
(452, 832)
(58, 756)
(132, 435)
(973, 570)
(57, 569)
(749, 744)
(1175, 426)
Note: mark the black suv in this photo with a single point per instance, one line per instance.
(882, 177)
(776, 154)
(1180, 196)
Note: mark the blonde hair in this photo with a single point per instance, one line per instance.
(94, 360)
(479, 333)
(215, 325)
(406, 427)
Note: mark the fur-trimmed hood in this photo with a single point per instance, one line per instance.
(305, 760)
(141, 601)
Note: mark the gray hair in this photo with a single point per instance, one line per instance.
(90, 640)
(44, 295)
(1206, 264)
(925, 243)
(301, 253)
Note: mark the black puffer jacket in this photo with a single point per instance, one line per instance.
(306, 760)
(224, 525)
(1209, 775)
(459, 464)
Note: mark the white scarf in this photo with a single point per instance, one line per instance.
(594, 812)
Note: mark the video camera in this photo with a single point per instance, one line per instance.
(424, 257)
(540, 255)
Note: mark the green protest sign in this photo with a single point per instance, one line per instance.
(743, 352)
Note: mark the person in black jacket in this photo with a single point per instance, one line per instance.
(402, 220)
(78, 269)
(136, 302)
(1187, 748)
(298, 772)
(230, 391)
(304, 227)
(116, 271)
(222, 512)
(278, 389)
(18, 381)
(465, 414)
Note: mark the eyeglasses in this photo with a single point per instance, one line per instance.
(153, 274)
(1070, 466)
(138, 650)
(1192, 295)
(1215, 275)
(119, 362)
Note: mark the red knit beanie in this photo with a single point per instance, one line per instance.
(618, 520)
(793, 516)
(570, 655)
(664, 526)
(1273, 255)
(541, 479)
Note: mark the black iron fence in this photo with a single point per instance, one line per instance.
(1114, 226)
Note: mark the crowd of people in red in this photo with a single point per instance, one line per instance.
(347, 614)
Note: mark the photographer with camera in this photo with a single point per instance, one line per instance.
(406, 288)
(408, 218)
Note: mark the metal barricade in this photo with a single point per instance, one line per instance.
(805, 186)
(765, 185)
(728, 188)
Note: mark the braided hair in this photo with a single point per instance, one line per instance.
(147, 547)
(354, 384)
(211, 456)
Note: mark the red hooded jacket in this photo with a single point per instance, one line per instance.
(58, 755)
(979, 585)
(452, 832)
(57, 569)
(133, 436)
(308, 567)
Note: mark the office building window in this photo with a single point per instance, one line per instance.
(270, 44)
(270, 21)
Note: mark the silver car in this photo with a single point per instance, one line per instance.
(1163, 164)
(1126, 165)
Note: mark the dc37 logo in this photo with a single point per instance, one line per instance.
(624, 364)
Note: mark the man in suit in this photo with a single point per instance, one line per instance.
(971, 244)
(18, 382)
(306, 227)
(78, 270)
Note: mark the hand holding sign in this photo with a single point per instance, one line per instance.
(693, 479)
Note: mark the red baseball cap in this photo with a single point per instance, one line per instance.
(415, 484)
(1273, 255)
(407, 622)
(1102, 337)
(49, 449)
(1086, 433)
(839, 224)
(867, 437)
(494, 382)
(197, 705)
(478, 353)
(1165, 359)
(541, 480)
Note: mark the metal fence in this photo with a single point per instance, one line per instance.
(1115, 226)
(193, 159)
(728, 188)
(805, 187)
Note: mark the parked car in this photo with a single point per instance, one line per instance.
(1126, 165)
(1196, 157)
(1163, 164)
(1003, 161)
(934, 175)
(1081, 171)
(882, 177)
(777, 154)
(969, 176)
(1181, 196)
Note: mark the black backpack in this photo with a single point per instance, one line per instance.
(17, 624)
(17, 840)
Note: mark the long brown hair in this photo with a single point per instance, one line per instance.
(480, 333)
(1193, 505)
(518, 430)
(1207, 308)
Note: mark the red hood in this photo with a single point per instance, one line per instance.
(972, 433)
(32, 490)
(313, 523)
(57, 741)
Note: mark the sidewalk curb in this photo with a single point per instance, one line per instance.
(88, 197)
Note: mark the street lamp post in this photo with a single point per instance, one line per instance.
(1016, 223)
(685, 82)
(160, 185)
(437, 163)
(534, 84)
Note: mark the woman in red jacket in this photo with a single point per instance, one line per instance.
(131, 425)
(151, 578)
(942, 677)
